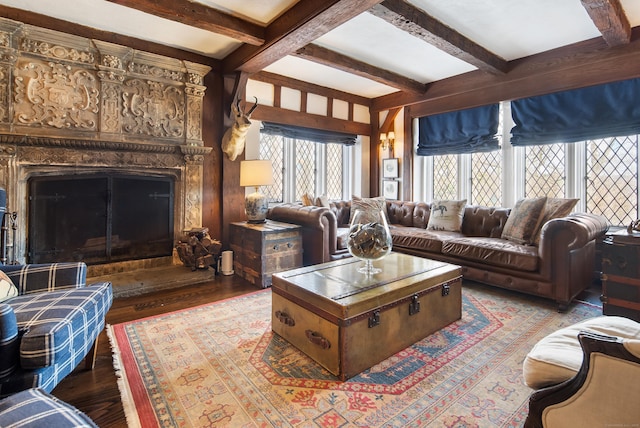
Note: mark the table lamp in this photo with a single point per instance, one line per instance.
(256, 173)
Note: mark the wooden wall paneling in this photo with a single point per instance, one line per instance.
(212, 171)
(232, 203)
(407, 158)
(374, 157)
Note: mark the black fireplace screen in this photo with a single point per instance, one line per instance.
(99, 218)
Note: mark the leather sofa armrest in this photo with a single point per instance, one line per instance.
(319, 229)
(567, 253)
(577, 229)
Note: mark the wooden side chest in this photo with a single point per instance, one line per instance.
(348, 322)
(261, 250)
(621, 275)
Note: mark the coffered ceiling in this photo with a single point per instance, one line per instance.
(369, 48)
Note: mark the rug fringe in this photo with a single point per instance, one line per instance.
(126, 398)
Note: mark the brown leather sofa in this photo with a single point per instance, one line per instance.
(559, 268)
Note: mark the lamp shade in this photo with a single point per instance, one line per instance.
(256, 173)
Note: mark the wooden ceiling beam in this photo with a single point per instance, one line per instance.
(414, 21)
(610, 19)
(200, 16)
(336, 60)
(575, 66)
(304, 22)
(44, 21)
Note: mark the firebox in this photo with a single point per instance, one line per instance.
(100, 218)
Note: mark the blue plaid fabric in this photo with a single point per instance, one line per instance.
(34, 408)
(35, 278)
(55, 329)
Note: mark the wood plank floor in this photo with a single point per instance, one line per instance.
(95, 392)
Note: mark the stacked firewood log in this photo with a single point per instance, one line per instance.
(198, 250)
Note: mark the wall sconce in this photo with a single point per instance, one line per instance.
(386, 140)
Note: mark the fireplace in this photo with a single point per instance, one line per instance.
(100, 218)
(101, 149)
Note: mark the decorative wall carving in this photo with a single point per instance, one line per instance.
(69, 103)
(153, 108)
(55, 95)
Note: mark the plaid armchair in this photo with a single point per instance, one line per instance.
(50, 326)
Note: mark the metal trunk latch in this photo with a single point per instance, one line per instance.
(414, 306)
(445, 289)
(374, 319)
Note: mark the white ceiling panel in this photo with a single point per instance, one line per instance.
(374, 41)
(107, 16)
(515, 29)
(261, 12)
(319, 74)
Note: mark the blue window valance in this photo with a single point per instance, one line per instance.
(464, 131)
(601, 111)
(309, 134)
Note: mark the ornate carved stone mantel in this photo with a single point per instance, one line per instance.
(71, 105)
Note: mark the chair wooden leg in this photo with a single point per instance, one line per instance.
(90, 359)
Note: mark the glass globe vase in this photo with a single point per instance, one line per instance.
(369, 238)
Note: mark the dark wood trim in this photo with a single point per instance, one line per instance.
(288, 82)
(414, 21)
(55, 24)
(406, 164)
(609, 17)
(200, 16)
(290, 117)
(374, 157)
(324, 56)
(583, 64)
(304, 22)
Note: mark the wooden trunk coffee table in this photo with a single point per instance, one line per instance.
(348, 321)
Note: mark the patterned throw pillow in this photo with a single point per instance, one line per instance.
(367, 204)
(7, 289)
(446, 215)
(555, 208)
(307, 200)
(524, 220)
(322, 201)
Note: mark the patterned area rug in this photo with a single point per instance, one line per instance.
(220, 365)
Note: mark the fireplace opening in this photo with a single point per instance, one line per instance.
(99, 218)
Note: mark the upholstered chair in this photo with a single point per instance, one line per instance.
(49, 322)
(586, 375)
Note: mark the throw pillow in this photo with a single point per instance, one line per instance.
(555, 208)
(367, 204)
(307, 200)
(524, 220)
(446, 215)
(7, 289)
(323, 201)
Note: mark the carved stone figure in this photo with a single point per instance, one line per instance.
(234, 138)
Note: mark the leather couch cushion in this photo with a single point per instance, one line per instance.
(494, 251)
(341, 236)
(420, 239)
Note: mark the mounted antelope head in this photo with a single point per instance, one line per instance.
(234, 138)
